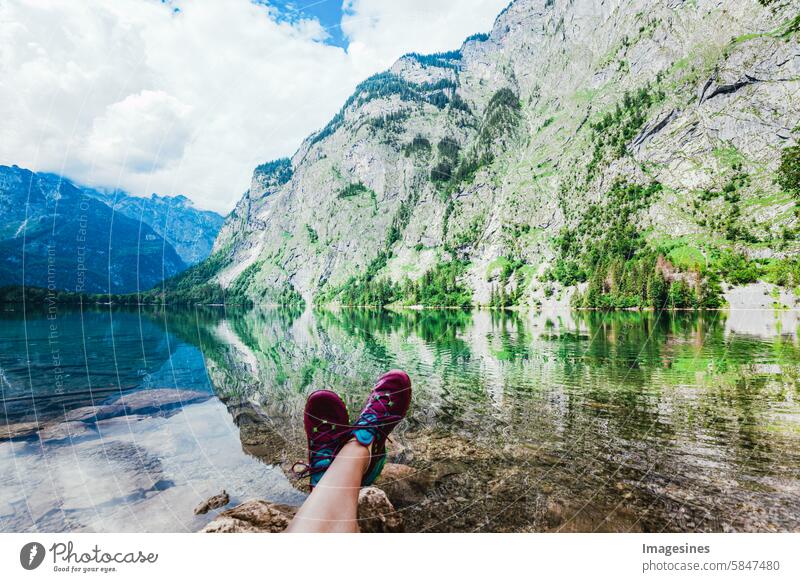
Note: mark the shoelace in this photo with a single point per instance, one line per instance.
(329, 437)
(382, 413)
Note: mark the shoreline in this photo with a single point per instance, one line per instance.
(760, 296)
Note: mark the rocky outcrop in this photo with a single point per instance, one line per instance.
(653, 128)
(712, 89)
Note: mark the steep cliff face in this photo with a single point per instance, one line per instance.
(608, 144)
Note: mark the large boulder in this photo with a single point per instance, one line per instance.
(64, 431)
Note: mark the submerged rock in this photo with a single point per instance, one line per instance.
(214, 502)
(93, 413)
(133, 464)
(262, 437)
(64, 430)
(376, 514)
(128, 408)
(18, 430)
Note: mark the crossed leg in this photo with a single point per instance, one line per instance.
(332, 506)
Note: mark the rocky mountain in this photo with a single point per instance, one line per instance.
(615, 153)
(189, 230)
(54, 235)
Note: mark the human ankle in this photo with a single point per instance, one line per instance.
(354, 449)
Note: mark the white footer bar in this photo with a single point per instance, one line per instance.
(402, 557)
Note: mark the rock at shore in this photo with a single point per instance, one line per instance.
(376, 514)
(404, 484)
(214, 502)
(255, 516)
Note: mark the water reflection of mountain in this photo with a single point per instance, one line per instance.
(606, 411)
(546, 421)
(271, 356)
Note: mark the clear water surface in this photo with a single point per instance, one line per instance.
(520, 422)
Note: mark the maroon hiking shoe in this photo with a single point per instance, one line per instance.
(386, 407)
(327, 429)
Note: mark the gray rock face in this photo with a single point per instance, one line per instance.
(729, 73)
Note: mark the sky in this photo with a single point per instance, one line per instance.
(189, 96)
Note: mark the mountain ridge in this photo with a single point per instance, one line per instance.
(57, 237)
(607, 154)
(191, 231)
(64, 237)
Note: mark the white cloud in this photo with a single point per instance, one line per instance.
(144, 132)
(131, 94)
(381, 30)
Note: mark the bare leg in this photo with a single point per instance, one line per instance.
(333, 504)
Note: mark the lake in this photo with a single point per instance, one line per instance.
(125, 419)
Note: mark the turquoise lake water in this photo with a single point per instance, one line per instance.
(520, 422)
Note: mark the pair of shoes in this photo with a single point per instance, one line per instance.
(328, 428)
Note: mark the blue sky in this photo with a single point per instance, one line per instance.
(328, 12)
